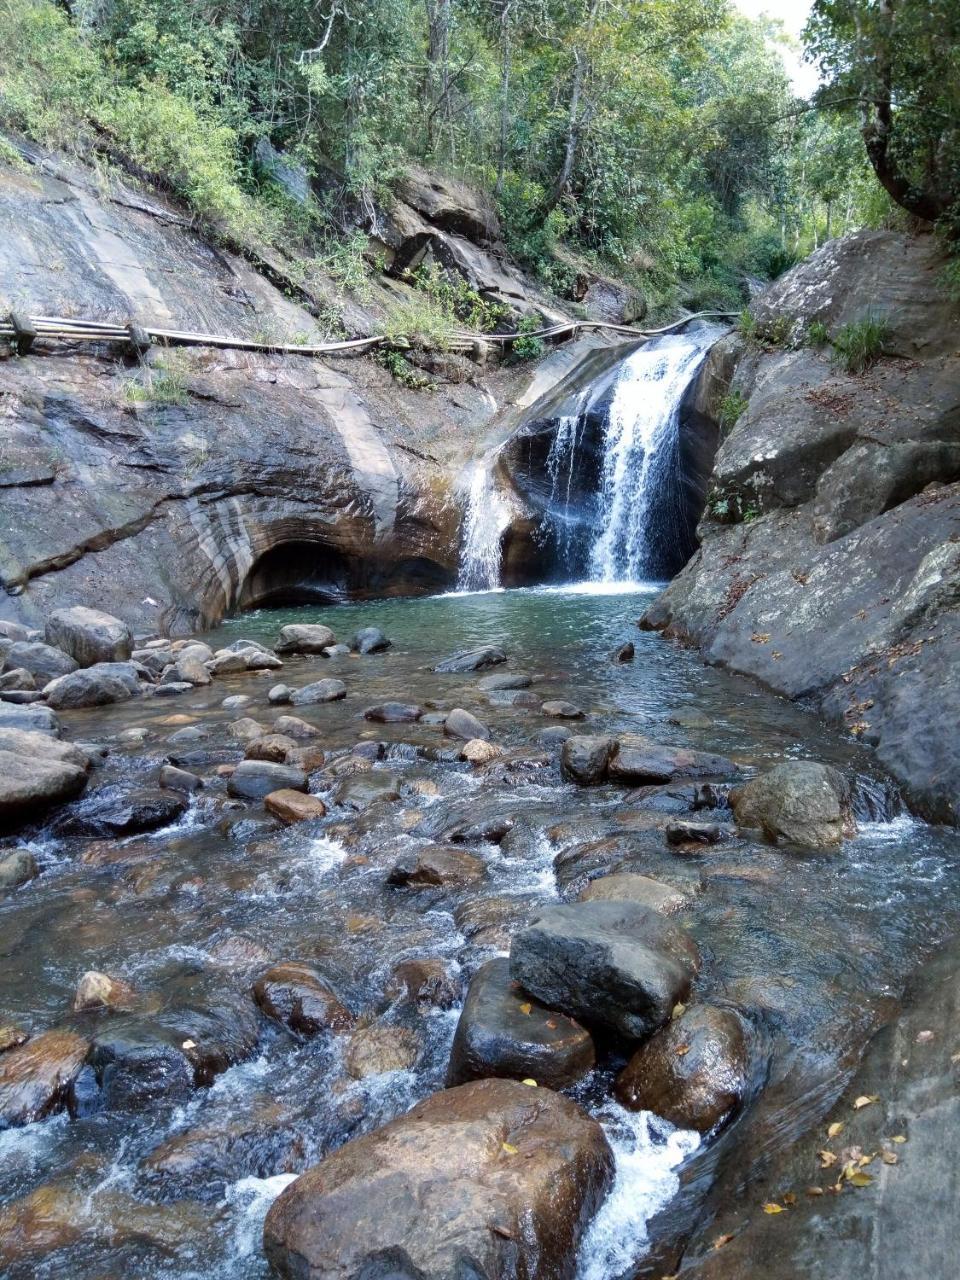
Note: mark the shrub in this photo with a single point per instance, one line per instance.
(525, 347)
(861, 343)
(732, 407)
(817, 334)
(163, 384)
(747, 324)
(404, 372)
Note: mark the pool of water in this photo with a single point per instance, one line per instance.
(816, 947)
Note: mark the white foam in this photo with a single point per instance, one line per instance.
(648, 1151)
(253, 1198)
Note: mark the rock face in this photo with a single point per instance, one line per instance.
(492, 1180)
(503, 1032)
(800, 802)
(829, 562)
(88, 635)
(615, 964)
(694, 1073)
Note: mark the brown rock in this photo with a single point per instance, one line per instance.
(299, 997)
(100, 991)
(271, 746)
(436, 865)
(491, 1179)
(12, 1036)
(478, 752)
(36, 1077)
(626, 886)
(294, 727)
(294, 806)
(377, 1049)
(425, 982)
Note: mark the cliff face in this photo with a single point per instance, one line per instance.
(830, 559)
(205, 480)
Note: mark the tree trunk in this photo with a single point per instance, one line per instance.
(573, 136)
(505, 52)
(438, 67)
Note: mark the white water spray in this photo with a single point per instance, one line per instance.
(487, 516)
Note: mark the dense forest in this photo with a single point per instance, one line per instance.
(659, 139)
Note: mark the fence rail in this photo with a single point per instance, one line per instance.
(24, 331)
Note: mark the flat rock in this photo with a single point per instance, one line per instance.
(637, 760)
(627, 886)
(618, 965)
(293, 806)
(393, 713)
(36, 1077)
(319, 691)
(435, 1194)
(89, 635)
(437, 866)
(256, 779)
(304, 638)
(36, 719)
(503, 1032)
(472, 660)
(300, 997)
(695, 1072)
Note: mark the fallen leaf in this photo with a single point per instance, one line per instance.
(899, 1138)
(551, 1024)
(526, 1008)
(835, 1128)
(721, 1241)
(860, 1179)
(865, 1100)
(827, 1159)
(814, 1191)
(865, 1160)
(789, 1198)
(771, 1207)
(532, 1083)
(924, 1037)
(682, 1050)
(509, 1149)
(677, 1009)
(889, 1157)
(189, 1044)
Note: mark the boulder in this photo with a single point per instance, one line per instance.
(304, 638)
(187, 671)
(461, 724)
(695, 1073)
(449, 204)
(14, 631)
(299, 997)
(293, 806)
(637, 760)
(89, 636)
(504, 681)
(279, 695)
(359, 791)
(44, 661)
(376, 1050)
(246, 729)
(504, 1032)
(800, 802)
(370, 640)
(616, 965)
(95, 686)
(30, 785)
(562, 710)
(491, 1179)
(393, 713)
(123, 813)
(584, 759)
(488, 655)
(486, 830)
(294, 727)
(175, 779)
(100, 991)
(30, 742)
(19, 679)
(271, 746)
(35, 719)
(426, 982)
(626, 886)
(17, 868)
(626, 652)
(37, 1076)
(319, 691)
(436, 866)
(256, 779)
(478, 752)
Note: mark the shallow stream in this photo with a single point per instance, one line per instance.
(817, 946)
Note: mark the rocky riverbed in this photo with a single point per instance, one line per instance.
(616, 931)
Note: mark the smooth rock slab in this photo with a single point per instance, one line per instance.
(617, 965)
(638, 760)
(319, 691)
(489, 655)
(694, 1073)
(88, 635)
(435, 1195)
(503, 1032)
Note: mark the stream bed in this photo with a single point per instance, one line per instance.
(816, 946)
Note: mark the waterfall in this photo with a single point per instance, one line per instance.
(641, 457)
(487, 516)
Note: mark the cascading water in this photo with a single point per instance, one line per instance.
(641, 458)
(487, 516)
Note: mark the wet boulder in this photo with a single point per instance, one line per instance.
(260, 1145)
(488, 830)
(694, 1073)
(89, 636)
(393, 713)
(583, 759)
(279, 695)
(504, 1032)
(270, 746)
(44, 661)
(799, 802)
(293, 806)
(358, 791)
(34, 719)
(174, 779)
(294, 727)
(378, 1049)
(255, 779)
(684, 832)
(97, 990)
(503, 682)
(637, 760)
(304, 638)
(123, 813)
(626, 652)
(561, 710)
(425, 982)
(627, 886)
(488, 655)
(436, 866)
(617, 965)
(319, 691)
(492, 1179)
(16, 869)
(299, 997)
(370, 640)
(36, 1077)
(187, 671)
(461, 724)
(96, 686)
(32, 784)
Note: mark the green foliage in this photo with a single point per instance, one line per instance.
(818, 335)
(732, 407)
(861, 343)
(747, 325)
(404, 372)
(162, 384)
(526, 347)
(450, 294)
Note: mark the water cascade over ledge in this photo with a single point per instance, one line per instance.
(598, 483)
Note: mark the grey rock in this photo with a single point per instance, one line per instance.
(112, 814)
(31, 785)
(472, 660)
(18, 678)
(800, 802)
(44, 661)
(304, 638)
(33, 718)
(370, 640)
(461, 724)
(279, 695)
(95, 686)
(505, 680)
(319, 691)
(254, 779)
(88, 636)
(584, 759)
(393, 713)
(361, 790)
(179, 779)
(17, 868)
(562, 710)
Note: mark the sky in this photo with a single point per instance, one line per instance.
(793, 14)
